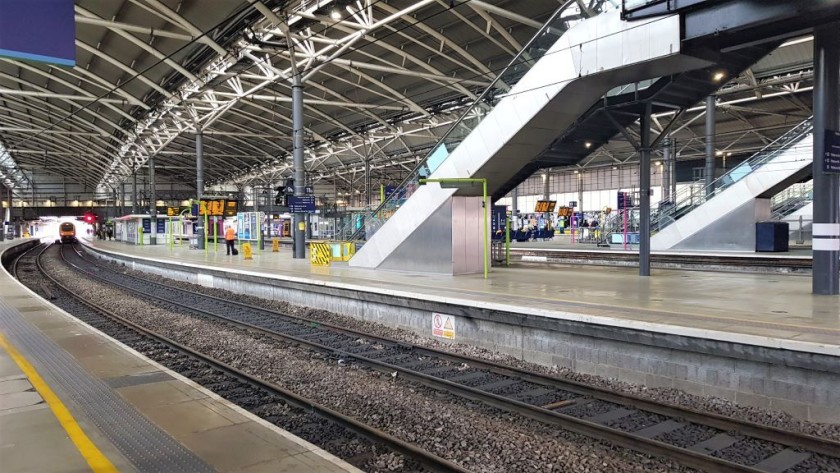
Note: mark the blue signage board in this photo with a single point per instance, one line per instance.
(42, 30)
(147, 225)
(301, 204)
(831, 154)
(161, 226)
(498, 215)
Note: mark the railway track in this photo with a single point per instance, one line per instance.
(696, 439)
(231, 383)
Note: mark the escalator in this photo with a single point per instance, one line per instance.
(558, 112)
(723, 216)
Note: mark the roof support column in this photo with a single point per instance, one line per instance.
(710, 145)
(134, 194)
(300, 171)
(368, 187)
(514, 201)
(666, 170)
(826, 227)
(673, 149)
(152, 201)
(5, 217)
(644, 193)
(199, 185)
(546, 185)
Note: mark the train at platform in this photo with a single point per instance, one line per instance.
(67, 232)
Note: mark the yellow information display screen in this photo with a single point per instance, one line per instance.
(173, 211)
(564, 211)
(545, 206)
(231, 206)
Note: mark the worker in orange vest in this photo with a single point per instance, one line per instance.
(230, 237)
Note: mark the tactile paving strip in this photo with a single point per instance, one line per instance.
(147, 447)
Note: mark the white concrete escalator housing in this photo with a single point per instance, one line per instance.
(587, 61)
(726, 222)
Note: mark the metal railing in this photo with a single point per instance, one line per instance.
(692, 197)
(532, 52)
(791, 199)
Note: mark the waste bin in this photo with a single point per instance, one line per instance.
(771, 236)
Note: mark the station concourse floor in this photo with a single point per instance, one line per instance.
(760, 309)
(73, 399)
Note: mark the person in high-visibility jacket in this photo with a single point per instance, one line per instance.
(230, 238)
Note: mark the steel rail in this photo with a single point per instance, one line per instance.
(618, 437)
(428, 459)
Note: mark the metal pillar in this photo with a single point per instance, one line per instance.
(826, 226)
(152, 201)
(368, 190)
(710, 145)
(546, 185)
(199, 186)
(673, 170)
(3, 223)
(644, 194)
(300, 172)
(134, 194)
(666, 170)
(514, 204)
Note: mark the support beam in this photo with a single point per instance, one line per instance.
(134, 194)
(152, 201)
(644, 194)
(826, 226)
(546, 185)
(300, 171)
(710, 145)
(199, 184)
(514, 207)
(666, 170)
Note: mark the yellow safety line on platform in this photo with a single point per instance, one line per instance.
(97, 461)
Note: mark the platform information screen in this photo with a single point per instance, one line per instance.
(831, 155)
(545, 206)
(301, 204)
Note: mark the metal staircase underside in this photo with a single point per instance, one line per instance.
(602, 121)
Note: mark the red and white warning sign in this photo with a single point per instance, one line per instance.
(443, 326)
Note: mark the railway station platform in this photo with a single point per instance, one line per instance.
(74, 399)
(755, 339)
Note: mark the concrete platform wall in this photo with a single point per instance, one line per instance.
(805, 385)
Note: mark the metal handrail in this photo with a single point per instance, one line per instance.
(478, 101)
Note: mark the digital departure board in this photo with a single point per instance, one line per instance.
(564, 211)
(545, 206)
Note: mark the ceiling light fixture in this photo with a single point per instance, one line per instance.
(588, 145)
(719, 76)
(335, 14)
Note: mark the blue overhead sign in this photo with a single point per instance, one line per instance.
(42, 30)
(831, 154)
(301, 204)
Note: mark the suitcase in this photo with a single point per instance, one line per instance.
(235, 252)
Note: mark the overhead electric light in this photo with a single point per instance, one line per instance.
(719, 76)
(588, 145)
(335, 14)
